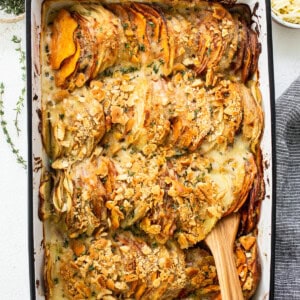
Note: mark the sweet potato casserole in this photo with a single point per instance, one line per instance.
(151, 122)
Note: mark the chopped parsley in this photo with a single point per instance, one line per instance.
(142, 48)
(127, 70)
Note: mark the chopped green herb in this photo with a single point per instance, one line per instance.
(150, 65)
(91, 268)
(209, 169)
(127, 70)
(142, 47)
(151, 24)
(178, 153)
(155, 69)
(133, 150)
(154, 245)
(66, 243)
(200, 178)
(125, 26)
(130, 173)
(108, 72)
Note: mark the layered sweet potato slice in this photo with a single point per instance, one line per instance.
(72, 127)
(208, 39)
(62, 44)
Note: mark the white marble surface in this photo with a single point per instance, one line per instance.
(14, 278)
(14, 275)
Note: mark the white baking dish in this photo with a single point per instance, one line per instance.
(36, 155)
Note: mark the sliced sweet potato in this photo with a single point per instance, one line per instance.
(68, 67)
(209, 46)
(215, 49)
(62, 42)
(250, 212)
(230, 35)
(139, 22)
(243, 12)
(242, 43)
(121, 12)
(255, 49)
(250, 172)
(107, 40)
(153, 17)
(247, 59)
(168, 48)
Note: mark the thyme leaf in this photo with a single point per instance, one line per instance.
(5, 131)
(21, 99)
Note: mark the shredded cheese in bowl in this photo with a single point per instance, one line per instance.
(287, 10)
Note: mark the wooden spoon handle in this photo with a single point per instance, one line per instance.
(220, 241)
(228, 279)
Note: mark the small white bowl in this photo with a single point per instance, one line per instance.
(284, 23)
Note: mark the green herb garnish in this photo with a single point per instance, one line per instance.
(142, 47)
(15, 7)
(3, 123)
(21, 99)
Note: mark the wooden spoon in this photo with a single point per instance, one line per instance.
(220, 241)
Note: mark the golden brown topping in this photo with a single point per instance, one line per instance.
(72, 128)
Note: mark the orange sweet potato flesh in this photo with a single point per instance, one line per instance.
(62, 43)
(68, 67)
(151, 15)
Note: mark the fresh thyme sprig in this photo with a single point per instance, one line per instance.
(3, 123)
(21, 99)
(18, 109)
(15, 7)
